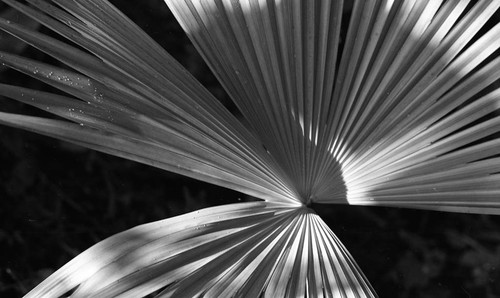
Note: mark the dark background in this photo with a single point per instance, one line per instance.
(57, 199)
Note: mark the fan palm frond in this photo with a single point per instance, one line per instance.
(235, 250)
(400, 109)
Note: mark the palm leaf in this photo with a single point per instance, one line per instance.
(232, 250)
(222, 136)
(197, 253)
(400, 111)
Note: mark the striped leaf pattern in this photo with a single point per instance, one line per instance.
(384, 103)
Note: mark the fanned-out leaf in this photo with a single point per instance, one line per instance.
(159, 102)
(343, 133)
(399, 108)
(441, 128)
(275, 59)
(233, 250)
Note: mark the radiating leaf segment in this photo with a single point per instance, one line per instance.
(397, 109)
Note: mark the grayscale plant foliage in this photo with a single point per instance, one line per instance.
(392, 104)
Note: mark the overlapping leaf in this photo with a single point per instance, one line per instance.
(389, 110)
(239, 250)
(131, 83)
(399, 108)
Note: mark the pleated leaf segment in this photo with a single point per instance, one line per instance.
(385, 103)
